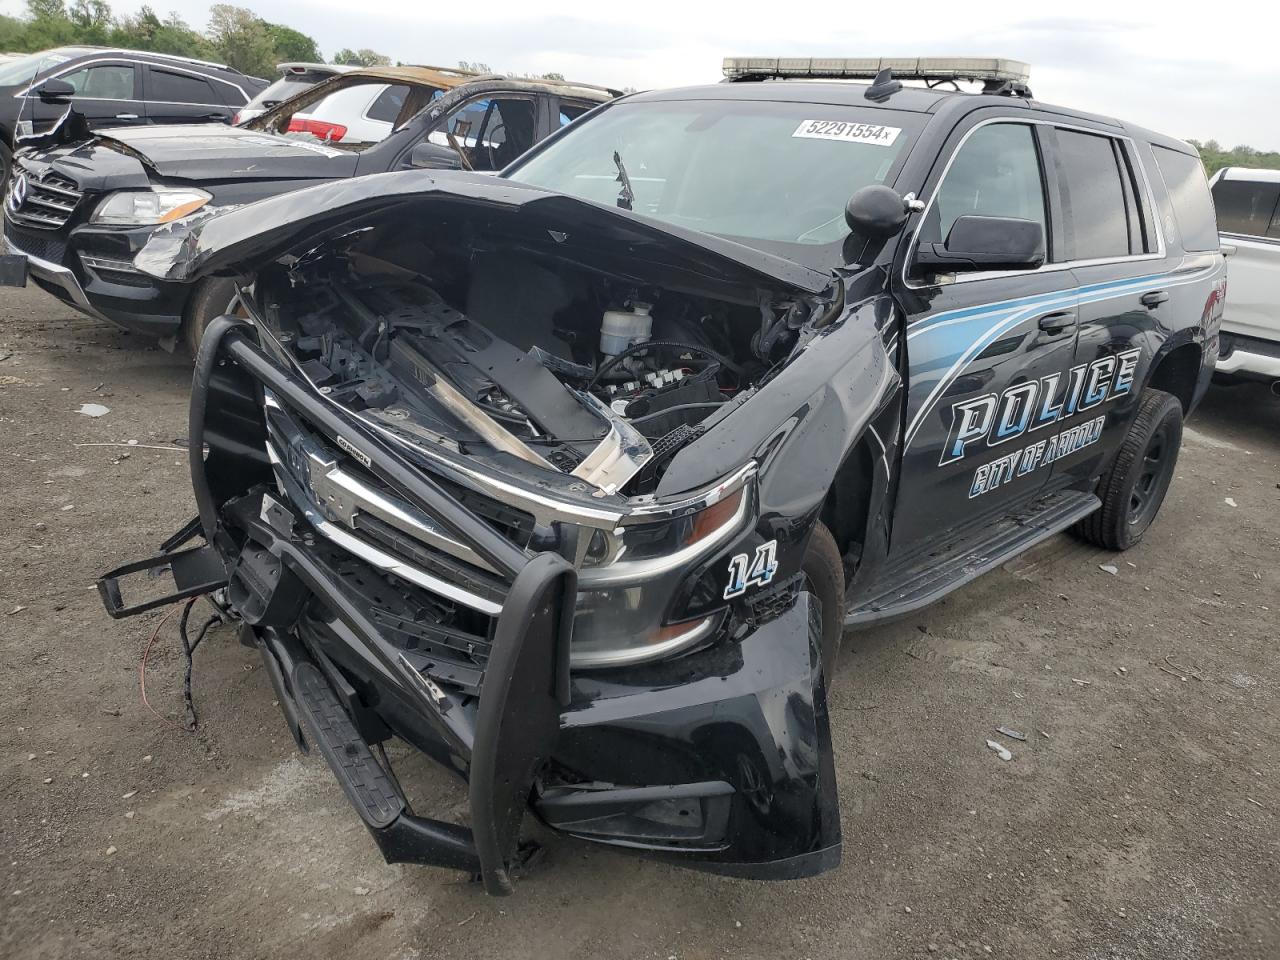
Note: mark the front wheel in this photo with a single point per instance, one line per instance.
(1133, 488)
(212, 298)
(823, 571)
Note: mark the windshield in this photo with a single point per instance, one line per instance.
(25, 69)
(771, 175)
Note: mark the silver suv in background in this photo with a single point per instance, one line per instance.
(1248, 205)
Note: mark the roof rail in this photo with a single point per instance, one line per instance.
(989, 69)
(168, 56)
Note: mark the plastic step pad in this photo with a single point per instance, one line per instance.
(371, 791)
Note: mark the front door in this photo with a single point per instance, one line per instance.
(490, 131)
(107, 94)
(988, 354)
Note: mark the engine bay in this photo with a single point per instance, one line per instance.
(504, 352)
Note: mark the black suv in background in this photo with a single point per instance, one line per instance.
(81, 212)
(115, 88)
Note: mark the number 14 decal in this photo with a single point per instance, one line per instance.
(747, 572)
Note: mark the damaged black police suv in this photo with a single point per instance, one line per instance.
(573, 477)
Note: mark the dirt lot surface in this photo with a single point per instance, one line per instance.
(1141, 817)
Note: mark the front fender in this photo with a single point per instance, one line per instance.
(802, 424)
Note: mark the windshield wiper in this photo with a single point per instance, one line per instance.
(626, 196)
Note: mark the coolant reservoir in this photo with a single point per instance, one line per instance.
(622, 328)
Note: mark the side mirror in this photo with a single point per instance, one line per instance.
(54, 90)
(985, 243)
(876, 212)
(434, 156)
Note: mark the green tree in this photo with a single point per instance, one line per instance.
(1215, 156)
(92, 21)
(47, 25)
(364, 57)
(146, 31)
(291, 44)
(241, 39)
(47, 9)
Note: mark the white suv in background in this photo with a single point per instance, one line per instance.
(1248, 205)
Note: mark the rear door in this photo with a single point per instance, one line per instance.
(987, 353)
(176, 95)
(1134, 286)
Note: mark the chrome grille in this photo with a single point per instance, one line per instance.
(44, 201)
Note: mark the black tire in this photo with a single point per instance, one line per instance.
(1138, 479)
(823, 571)
(211, 298)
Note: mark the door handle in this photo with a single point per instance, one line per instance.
(126, 116)
(1153, 299)
(215, 116)
(1057, 322)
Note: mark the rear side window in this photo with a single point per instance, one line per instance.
(388, 104)
(571, 111)
(168, 87)
(1189, 191)
(995, 174)
(1247, 207)
(1100, 190)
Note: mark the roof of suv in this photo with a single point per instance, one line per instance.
(446, 78)
(84, 51)
(852, 93)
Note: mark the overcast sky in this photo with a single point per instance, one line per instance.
(1208, 71)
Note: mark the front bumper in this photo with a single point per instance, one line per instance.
(719, 760)
(92, 271)
(55, 279)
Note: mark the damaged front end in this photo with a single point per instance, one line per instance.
(469, 482)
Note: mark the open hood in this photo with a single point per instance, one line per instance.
(207, 151)
(242, 240)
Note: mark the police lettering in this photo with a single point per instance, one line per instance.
(994, 419)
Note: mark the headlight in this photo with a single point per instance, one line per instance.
(623, 601)
(157, 205)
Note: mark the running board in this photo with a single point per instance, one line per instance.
(400, 836)
(924, 579)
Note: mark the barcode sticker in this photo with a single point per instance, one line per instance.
(872, 133)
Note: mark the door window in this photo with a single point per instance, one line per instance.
(1101, 207)
(104, 82)
(169, 87)
(571, 111)
(388, 104)
(493, 131)
(996, 173)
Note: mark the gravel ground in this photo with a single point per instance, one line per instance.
(1139, 819)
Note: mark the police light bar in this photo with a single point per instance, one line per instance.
(866, 68)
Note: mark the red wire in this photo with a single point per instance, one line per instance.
(142, 668)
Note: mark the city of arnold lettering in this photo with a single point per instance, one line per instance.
(994, 419)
